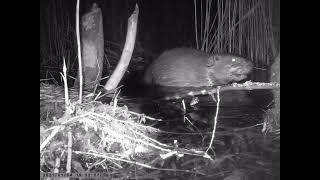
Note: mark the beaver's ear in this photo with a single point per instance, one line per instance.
(212, 60)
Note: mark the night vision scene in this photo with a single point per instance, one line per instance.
(160, 89)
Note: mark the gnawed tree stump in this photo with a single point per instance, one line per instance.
(92, 48)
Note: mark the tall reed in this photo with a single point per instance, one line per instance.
(57, 37)
(231, 26)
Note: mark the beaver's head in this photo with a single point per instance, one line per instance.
(228, 68)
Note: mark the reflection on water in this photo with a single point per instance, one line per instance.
(238, 108)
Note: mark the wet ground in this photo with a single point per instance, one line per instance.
(238, 132)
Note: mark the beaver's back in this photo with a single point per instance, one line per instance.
(186, 67)
(179, 67)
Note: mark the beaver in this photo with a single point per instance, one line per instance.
(187, 67)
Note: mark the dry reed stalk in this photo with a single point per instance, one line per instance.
(57, 37)
(241, 27)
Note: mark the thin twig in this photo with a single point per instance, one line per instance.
(57, 165)
(215, 119)
(195, 22)
(79, 52)
(64, 77)
(136, 163)
(53, 133)
(69, 152)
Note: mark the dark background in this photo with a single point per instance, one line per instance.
(162, 24)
